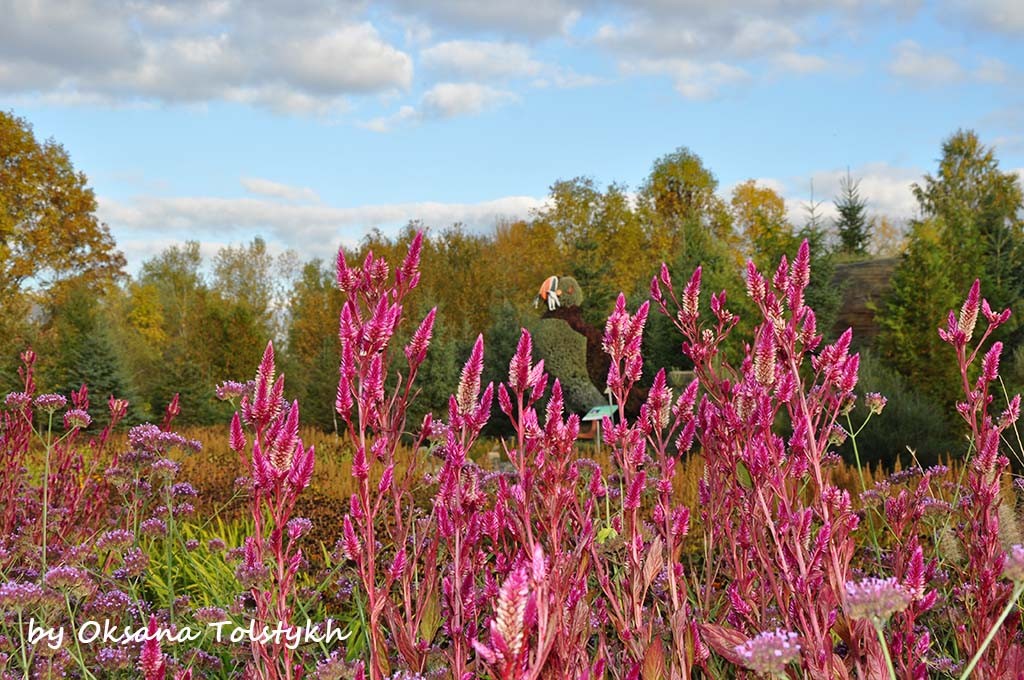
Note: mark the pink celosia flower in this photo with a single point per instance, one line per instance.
(151, 659)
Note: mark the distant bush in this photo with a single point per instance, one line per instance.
(911, 421)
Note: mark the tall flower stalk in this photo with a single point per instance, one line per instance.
(982, 596)
(372, 401)
(281, 467)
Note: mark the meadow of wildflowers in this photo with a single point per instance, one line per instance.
(552, 565)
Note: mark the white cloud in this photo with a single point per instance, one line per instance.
(535, 19)
(480, 60)
(913, 63)
(993, 71)
(272, 189)
(885, 187)
(388, 123)
(310, 229)
(447, 100)
(692, 79)
(306, 57)
(797, 62)
(1000, 16)
(348, 59)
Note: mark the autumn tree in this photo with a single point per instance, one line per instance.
(312, 350)
(602, 240)
(49, 232)
(852, 224)
(48, 227)
(520, 255)
(759, 213)
(187, 348)
(678, 203)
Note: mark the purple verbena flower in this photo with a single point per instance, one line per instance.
(77, 419)
(51, 402)
(75, 581)
(153, 526)
(770, 652)
(17, 400)
(876, 599)
(118, 538)
(16, 596)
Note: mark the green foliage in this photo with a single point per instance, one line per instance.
(564, 352)
(83, 353)
(971, 228)
(852, 225)
(921, 293)
(910, 419)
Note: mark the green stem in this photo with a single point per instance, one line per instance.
(1018, 588)
(167, 552)
(856, 451)
(46, 486)
(74, 636)
(885, 651)
(21, 638)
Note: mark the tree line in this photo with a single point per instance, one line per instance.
(181, 324)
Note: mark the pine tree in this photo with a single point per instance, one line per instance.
(852, 224)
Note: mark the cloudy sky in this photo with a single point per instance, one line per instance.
(309, 122)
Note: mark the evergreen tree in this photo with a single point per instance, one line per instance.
(921, 288)
(971, 229)
(83, 353)
(852, 224)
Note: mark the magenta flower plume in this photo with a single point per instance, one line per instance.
(151, 659)
(690, 302)
(236, 440)
(764, 357)
(267, 399)
(799, 277)
(519, 373)
(416, 350)
(469, 383)
(408, 276)
(990, 364)
(969, 311)
(347, 278)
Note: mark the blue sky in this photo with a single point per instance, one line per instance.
(309, 122)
